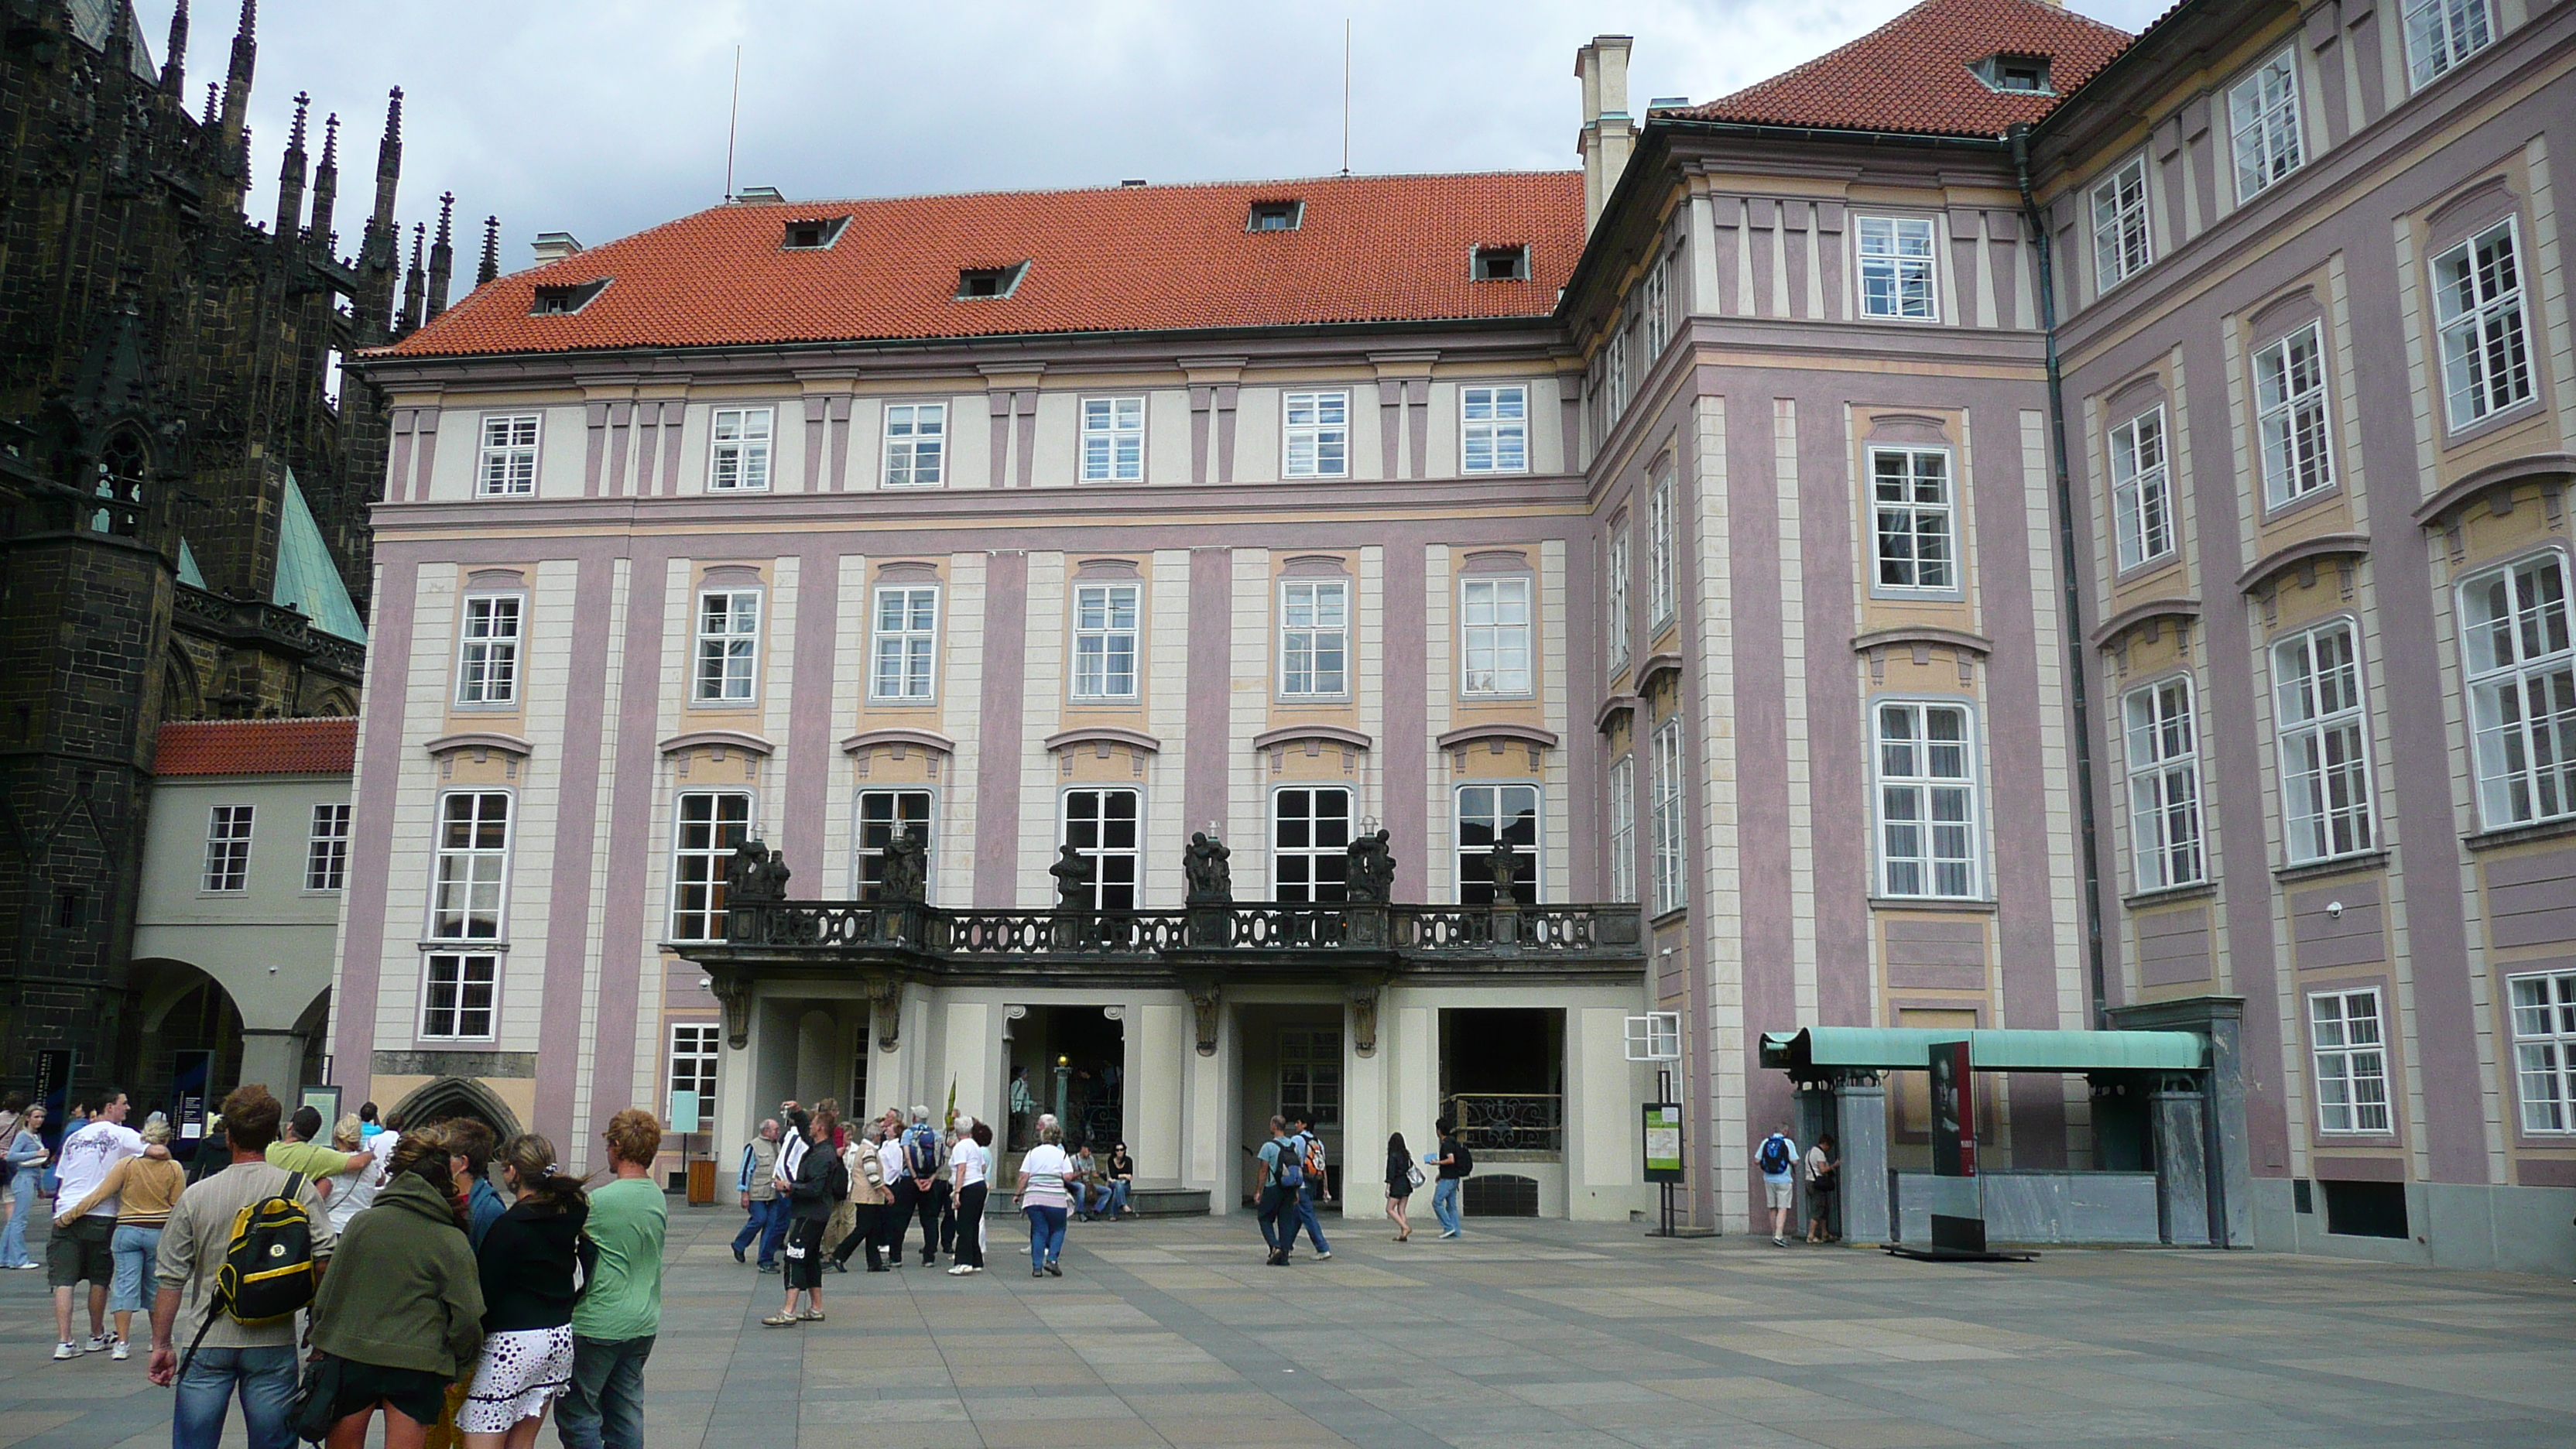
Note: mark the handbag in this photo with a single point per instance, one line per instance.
(317, 1401)
(1413, 1173)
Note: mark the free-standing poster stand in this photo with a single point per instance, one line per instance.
(1958, 1205)
(1657, 1037)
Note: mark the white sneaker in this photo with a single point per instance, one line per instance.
(1323, 1257)
(65, 1350)
(960, 1271)
(122, 1351)
(98, 1342)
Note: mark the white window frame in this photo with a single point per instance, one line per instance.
(2440, 34)
(1623, 828)
(1113, 439)
(2486, 335)
(1108, 655)
(1914, 516)
(2544, 1050)
(470, 970)
(1618, 373)
(1318, 856)
(738, 449)
(915, 447)
(1935, 805)
(326, 848)
(2321, 729)
(1614, 614)
(2168, 848)
(724, 664)
(903, 661)
(2142, 504)
(1497, 636)
(228, 836)
(1668, 816)
(1133, 853)
(1884, 251)
(492, 628)
(2264, 124)
(1314, 638)
(2124, 242)
(870, 836)
(2351, 1065)
(1493, 428)
(695, 1047)
(2292, 422)
(461, 877)
(1469, 863)
(1654, 310)
(701, 847)
(2520, 671)
(1315, 434)
(1663, 593)
(506, 462)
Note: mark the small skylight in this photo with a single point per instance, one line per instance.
(813, 234)
(566, 300)
(1276, 216)
(2014, 74)
(983, 282)
(1502, 263)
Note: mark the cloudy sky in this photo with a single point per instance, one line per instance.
(602, 117)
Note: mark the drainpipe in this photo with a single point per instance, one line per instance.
(2073, 603)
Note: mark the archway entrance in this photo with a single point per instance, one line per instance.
(452, 1097)
(1071, 1061)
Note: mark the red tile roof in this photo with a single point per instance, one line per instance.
(1911, 75)
(258, 747)
(1138, 258)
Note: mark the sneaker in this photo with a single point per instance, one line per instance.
(65, 1350)
(779, 1320)
(1053, 1270)
(1037, 1272)
(122, 1351)
(1779, 1242)
(737, 1255)
(1448, 1232)
(769, 1267)
(960, 1271)
(1325, 1256)
(98, 1342)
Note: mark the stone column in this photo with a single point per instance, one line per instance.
(2228, 1153)
(2182, 1162)
(1860, 1104)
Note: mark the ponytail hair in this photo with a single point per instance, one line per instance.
(424, 1153)
(540, 1177)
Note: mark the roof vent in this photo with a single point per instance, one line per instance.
(554, 246)
(564, 301)
(1133, 181)
(758, 196)
(1276, 216)
(2013, 73)
(812, 233)
(979, 283)
(1661, 103)
(1502, 263)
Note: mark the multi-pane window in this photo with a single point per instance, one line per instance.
(2352, 1060)
(1494, 423)
(1113, 439)
(1487, 813)
(1494, 618)
(473, 857)
(456, 996)
(2120, 244)
(1310, 1074)
(1655, 308)
(487, 662)
(1314, 638)
(738, 449)
(2325, 762)
(1661, 594)
(2544, 1049)
(2263, 122)
(1614, 567)
(693, 1069)
(2164, 785)
(1927, 807)
(1895, 267)
(507, 467)
(1101, 824)
(326, 849)
(711, 824)
(1310, 835)
(883, 815)
(1316, 434)
(905, 642)
(1104, 640)
(1665, 813)
(1623, 828)
(2290, 416)
(728, 646)
(916, 439)
(2522, 690)
(2477, 301)
(228, 848)
(2442, 33)
(1911, 487)
(2142, 489)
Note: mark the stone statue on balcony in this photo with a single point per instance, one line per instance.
(754, 876)
(907, 870)
(1211, 876)
(1369, 872)
(1072, 872)
(1503, 864)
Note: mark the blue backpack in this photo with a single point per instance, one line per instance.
(1775, 1156)
(921, 1150)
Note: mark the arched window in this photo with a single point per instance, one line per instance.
(122, 466)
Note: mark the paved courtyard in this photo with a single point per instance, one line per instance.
(1527, 1333)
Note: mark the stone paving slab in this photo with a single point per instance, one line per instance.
(1531, 1335)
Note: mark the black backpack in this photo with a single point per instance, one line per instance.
(1462, 1158)
(267, 1273)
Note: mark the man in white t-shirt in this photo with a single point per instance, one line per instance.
(79, 1250)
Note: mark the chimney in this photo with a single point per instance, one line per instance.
(1608, 134)
(554, 246)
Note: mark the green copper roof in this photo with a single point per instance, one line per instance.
(1988, 1051)
(189, 573)
(307, 579)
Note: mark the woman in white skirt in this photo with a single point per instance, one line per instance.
(526, 1264)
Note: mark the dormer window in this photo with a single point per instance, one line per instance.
(1502, 263)
(2014, 74)
(974, 283)
(813, 234)
(1276, 215)
(565, 300)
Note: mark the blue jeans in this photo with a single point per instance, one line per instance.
(604, 1407)
(766, 1221)
(1278, 1220)
(1108, 1197)
(1306, 1219)
(1046, 1234)
(1444, 1204)
(135, 1250)
(13, 1239)
(265, 1378)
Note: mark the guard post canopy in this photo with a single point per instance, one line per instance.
(1885, 1048)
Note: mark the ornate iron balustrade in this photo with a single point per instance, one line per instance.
(1254, 927)
(1510, 1121)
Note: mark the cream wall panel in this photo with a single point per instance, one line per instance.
(970, 442)
(961, 705)
(1440, 440)
(1720, 894)
(1256, 436)
(1058, 440)
(1168, 625)
(1167, 436)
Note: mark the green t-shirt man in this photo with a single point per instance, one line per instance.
(316, 1160)
(628, 1218)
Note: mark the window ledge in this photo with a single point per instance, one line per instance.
(2314, 498)
(467, 948)
(2564, 825)
(1932, 903)
(2331, 865)
(1662, 919)
(2168, 895)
